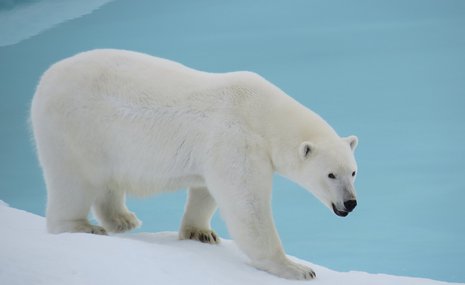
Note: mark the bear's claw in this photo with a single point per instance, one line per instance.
(96, 230)
(204, 236)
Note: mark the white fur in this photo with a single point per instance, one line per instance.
(110, 122)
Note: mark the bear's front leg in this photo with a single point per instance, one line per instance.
(244, 200)
(198, 213)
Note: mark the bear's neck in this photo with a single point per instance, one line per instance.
(280, 122)
(283, 123)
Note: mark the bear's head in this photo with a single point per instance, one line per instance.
(327, 168)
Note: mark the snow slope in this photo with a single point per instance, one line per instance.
(28, 255)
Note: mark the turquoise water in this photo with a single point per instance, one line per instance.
(391, 72)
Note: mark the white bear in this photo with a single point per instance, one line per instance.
(111, 122)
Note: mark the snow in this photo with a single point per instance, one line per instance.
(29, 255)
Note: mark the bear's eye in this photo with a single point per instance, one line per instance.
(332, 176)
(353, 174)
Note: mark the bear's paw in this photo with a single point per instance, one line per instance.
(121, 222)
(204, 236)
(288, 270)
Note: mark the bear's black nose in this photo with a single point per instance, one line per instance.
(350, 205)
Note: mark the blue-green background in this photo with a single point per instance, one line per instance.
(391, 72)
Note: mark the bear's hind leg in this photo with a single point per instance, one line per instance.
(111, 211)
(68, 203)
(198, 213)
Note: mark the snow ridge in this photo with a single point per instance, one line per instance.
(29, 255)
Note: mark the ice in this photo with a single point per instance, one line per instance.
(24, 20)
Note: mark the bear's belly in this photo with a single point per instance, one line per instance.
(140, 186)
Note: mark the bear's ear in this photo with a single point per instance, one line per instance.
(352, 141)
(306, 149)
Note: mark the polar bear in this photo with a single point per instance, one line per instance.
(111, 122)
